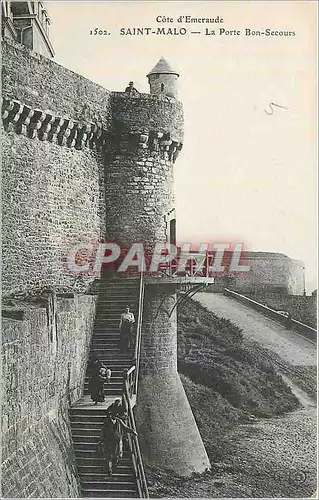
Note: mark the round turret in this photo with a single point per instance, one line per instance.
(163, 79)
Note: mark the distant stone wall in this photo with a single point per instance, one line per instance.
(269, 271)
(44, 362)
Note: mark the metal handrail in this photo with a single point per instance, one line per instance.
(132, 438)
(306, 330)
(137, 352)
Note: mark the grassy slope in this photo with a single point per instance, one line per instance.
(226, 382)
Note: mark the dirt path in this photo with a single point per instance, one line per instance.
(273, 457)
(290, 346)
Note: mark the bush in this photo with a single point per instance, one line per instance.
(226, 379)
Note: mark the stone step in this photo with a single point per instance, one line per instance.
(124, 464)
(102, 322)
(118, 301)
(81, 425)
(116, 370)
(114, 364)
(121, 470)
(108, 392)
(114, 315)
(116, 377)
(112, 385)
(87, 431)
(120, 292)
(82, 451)
(85, 441)
(109, 354)
(115, 478)
(116, 308)
(104, 318)
(82, 422)
(114, 382)
(113, 350)
(107, 286)
(106, 481)
(102, 342)
(107, 493)
(108, 359)
(109, 332)
(88, 412)
(88, 415)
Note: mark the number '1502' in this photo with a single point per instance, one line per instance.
(97, 31)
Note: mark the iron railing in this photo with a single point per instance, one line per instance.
(196, 266)
(130, 385)
(128, 391)
(138, 340)
(305, 330)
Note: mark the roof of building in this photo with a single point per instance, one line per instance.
(163, 67)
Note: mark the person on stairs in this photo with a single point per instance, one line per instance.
(116, 409)
(126, 329)
(111, 441)
(99, 374)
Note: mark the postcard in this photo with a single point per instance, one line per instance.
(159, 242)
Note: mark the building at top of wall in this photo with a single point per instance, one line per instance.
(163, 79)
(268, 272)
(27, 23)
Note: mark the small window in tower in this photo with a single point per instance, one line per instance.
(162, 87)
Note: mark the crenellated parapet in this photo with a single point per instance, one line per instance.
(148, 143)
(34, 123)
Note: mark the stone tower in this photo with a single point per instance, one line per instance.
(147, 138)
(163, 79)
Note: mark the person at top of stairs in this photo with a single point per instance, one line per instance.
(126, 329)
(99, 374)
(111, 442)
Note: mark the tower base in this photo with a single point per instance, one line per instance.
(168, 433)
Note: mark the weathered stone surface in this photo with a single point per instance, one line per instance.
(41, 82)
(168, 433)
(153, 194)
(53, 199)
(43, 372)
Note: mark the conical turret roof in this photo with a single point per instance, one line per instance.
(163, 67)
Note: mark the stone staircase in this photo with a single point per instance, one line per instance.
(86, 419)
(86, 428)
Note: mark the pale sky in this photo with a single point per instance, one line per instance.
(243, 175)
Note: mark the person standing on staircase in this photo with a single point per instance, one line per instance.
(111, 442)
(126, 329)
(99, 375)
(115, 409)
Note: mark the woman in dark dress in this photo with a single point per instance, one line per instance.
(99, 374)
